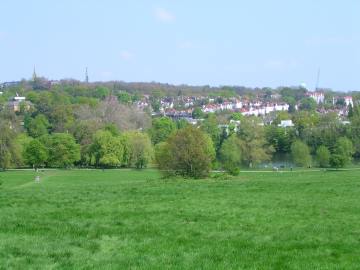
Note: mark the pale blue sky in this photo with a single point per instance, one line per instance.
(251, 43)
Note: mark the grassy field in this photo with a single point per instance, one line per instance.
(123, 219)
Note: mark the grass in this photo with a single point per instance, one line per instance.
(123, 219)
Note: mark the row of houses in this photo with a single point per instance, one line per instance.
(319, 98)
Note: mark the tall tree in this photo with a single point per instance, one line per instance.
(107, 149)
(161, 129)
(255, 148)
(9, 152)
(63, 150)
(323, 156)
(301, 154)
(35, 154)
(230, 154)
(38, 126)
(140, 149)
(188, 152)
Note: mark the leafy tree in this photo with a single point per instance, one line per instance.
(283, 115)
(198, 113)
(323, 156)
(114, 130)
(189, 152)
(301, 154)
(255, 148)
(38, 126)
(140, 149)
(63, 150)
(9, 152)
(124, 97)
(21, 141)
(61, 118)
(210, 126)
(107, 149)
(35, 154)
(161, 129)
(280, 138)
(345, 149)
(83, 132)
(101, 92)
(181, 123)
(237, 116)
(230, 154)
(308, 104)
(337, 161)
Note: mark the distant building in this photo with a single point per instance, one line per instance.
(17, 102)
(286, 123)
(349, 101)
(319, 97)
(9, 84)
(17, 98)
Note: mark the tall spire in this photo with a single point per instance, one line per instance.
(34, 77)
(86, 75)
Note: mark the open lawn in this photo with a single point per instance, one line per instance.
(123, 219)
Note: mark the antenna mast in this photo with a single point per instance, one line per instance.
(86, 75)
(317, 80)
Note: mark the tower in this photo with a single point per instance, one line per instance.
(317, 80)
(86, 76)
(34, 77)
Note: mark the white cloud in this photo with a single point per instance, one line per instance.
(164, 15)
(126, 55)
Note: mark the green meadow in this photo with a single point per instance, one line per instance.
(127, 219)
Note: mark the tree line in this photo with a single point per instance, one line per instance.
(70, 126)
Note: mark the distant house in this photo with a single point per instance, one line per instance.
(286, 123)
(17, 102)
(349, 101)
(9, 84)
(319, 97)
(1, 93)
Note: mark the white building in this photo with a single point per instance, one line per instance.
(286, 123)
(349, 101)
(319, 97)
(17, 98)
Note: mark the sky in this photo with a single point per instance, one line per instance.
(255, 43)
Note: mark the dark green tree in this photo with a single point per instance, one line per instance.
(62, 148)
(189, 152)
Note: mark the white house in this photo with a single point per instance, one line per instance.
(286, 123)
(17, 98)
(349, 101)
(319, 97)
